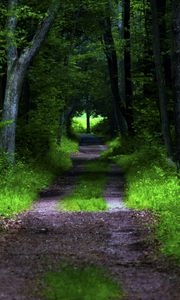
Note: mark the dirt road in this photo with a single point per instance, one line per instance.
(120, 240)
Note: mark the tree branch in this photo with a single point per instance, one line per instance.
(40, 35)
(11, 28)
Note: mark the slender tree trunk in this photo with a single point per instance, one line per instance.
(68, 119)
(113, 72)
(2, 89)
(127, 64)
(88, 126)
(61, 127)
(160, 79)
(162, 6)
(120, 25)
(176, 72)
(16, 71)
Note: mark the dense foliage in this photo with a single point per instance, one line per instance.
(115, 59)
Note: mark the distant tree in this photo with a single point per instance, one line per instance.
(176, 72)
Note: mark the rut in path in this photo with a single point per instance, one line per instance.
(120, 240)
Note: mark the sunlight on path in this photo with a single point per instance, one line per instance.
(114, 190)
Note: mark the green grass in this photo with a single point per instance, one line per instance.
(152, 183)
(79, 123)
(19, 185)
(59, 155)
(90, 283)
(88, 192)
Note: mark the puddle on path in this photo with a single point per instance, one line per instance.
(114, 190)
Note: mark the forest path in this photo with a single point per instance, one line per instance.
(121, 240)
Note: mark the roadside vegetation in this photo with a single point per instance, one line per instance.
(80, 283)
(88, 191)
(151, 183)
(20, 184)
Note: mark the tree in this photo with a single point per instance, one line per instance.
(127, 65)
(176, 72)
(160, 79)
(113, 73)
(17, 66)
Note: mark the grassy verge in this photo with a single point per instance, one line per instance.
(152, 183)
(90, 283)
(88, 193)
(19, 185)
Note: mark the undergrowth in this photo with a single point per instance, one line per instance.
(152, 183)
(20, 184)
(90, 283)
(88, 193)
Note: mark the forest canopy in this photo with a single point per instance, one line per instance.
(113, 58)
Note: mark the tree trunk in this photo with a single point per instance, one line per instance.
(160, 79)
(16, 71)
(113, 72)
(176, 72)
(88, 126)
(120, 25)
(10, 110)
(127, 64)
(162, 7)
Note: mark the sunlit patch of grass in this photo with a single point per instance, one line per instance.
(79, 123)
(152, 183)
(88, 192)
(90, 283)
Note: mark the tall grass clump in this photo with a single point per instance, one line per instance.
(152, 183)
(21, 183)
(19, 186)
(59, 154)
(89, 283)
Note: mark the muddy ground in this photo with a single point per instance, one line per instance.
(121, 240)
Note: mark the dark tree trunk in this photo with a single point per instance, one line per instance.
(16, 71)
(120, 25)
(160, 79)
(2, 89)
(88, 115)
(164, 36)
(68, 121)
(176, 72)
(113, 72)
(127, 64)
